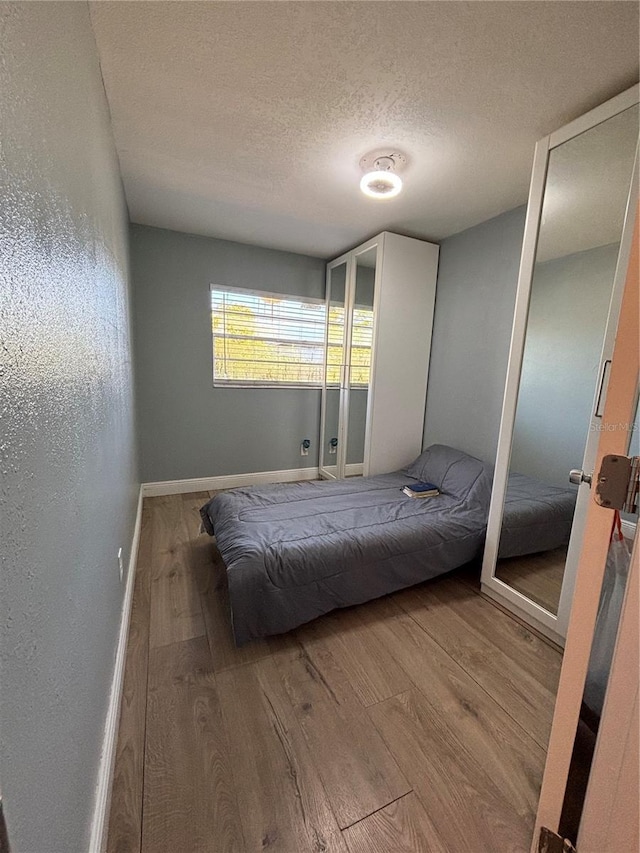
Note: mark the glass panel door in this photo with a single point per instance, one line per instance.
(331, 439)
(360, 359)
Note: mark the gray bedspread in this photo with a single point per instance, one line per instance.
(296, 551)
(537, 517)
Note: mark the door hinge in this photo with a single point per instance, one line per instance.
(618, 483)
(551, 842)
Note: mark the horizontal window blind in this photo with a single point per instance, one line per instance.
(268, 339)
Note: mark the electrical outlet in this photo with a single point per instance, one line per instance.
(305, 444)
(120, 564)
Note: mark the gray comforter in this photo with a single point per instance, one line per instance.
(537, 517)
(296, 551)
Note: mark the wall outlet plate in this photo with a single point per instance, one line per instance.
(120, 563)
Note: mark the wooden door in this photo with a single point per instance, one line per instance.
(600, 807)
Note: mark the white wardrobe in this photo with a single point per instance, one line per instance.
(380, 302)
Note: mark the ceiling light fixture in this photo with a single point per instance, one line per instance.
(381, 179)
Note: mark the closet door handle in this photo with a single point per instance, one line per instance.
(600, 402)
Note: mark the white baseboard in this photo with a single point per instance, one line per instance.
(628, 529)
(98, 838)
(227, 481)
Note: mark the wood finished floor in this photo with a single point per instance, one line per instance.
(417, 722)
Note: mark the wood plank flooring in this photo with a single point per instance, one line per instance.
(417, 722)
(538, 576)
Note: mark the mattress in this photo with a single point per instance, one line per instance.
(296, 551)
(537, 517)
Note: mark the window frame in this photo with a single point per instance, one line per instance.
(265, 383)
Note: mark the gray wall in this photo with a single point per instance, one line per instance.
(477, 281)
(68, 473)
(188, 428)
(565, 330)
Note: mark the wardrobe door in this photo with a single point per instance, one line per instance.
(359, 358)
(577, 239)
(332, 428)
(403, 317)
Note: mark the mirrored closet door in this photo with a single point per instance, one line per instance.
(359, 360)
(574, 258)
(333, 427)
(349, 342)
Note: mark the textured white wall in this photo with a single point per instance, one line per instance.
(67, 459)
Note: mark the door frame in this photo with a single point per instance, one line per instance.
(611, 808)
(619, 409)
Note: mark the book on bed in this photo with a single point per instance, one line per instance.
(421, 490)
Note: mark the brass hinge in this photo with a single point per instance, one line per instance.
(618, 483)
(551, 842)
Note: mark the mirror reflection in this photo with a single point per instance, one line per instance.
(335, 359)
(581, 225)
(360, 359)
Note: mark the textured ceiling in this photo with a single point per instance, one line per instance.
(247, 120)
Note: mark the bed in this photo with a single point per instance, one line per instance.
(537, 517)
(296, 551)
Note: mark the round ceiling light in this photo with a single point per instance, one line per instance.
(381, 184)
(380, 179)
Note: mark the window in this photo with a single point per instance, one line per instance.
(266, 338)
